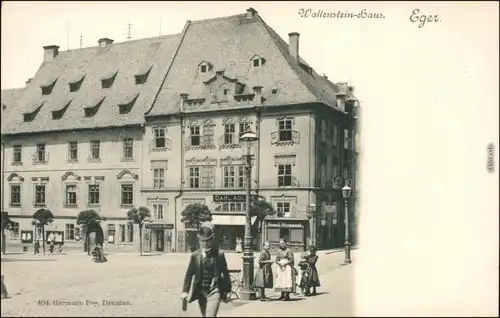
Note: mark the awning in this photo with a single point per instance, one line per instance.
(230, 219)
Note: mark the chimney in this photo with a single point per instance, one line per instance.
(29, 81)
(105, 42)
(184, 96)
(258, 94)
(325, 77)
(50, 52)
(251, 13)
(293, 44)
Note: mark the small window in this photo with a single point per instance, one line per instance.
(70, 231)
(203, 69)
(158, 178)
(15, 195)
(226, 91)
(128, 148)
(94, 194)
(107, 83)
(40, 195)
(274, 91)
(74, 87)
(127, 194)
(14, 232)
(158, 211)
(160, 137)
(256, 63)
(17, 154)
(71, 195)
(73, 151)
(95, 150)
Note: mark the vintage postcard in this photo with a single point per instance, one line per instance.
(256, 159)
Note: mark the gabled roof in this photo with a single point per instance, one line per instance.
(94, 63)
(220, 41)
(9, 98)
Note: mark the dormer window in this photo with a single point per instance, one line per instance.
(76, 83)
(59, 113)
(48, 87)
(257, 61)
(274, 91)
(142, 74)
(126, 105)
(92, 109)
(204, 67)
(107, 81)
(27, 117)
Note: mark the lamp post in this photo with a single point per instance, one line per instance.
(346, 193)
(248, 293)
(311, 214)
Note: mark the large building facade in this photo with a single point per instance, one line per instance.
(168, 132)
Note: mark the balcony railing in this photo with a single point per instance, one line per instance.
(200, 142)
(40, 157)
(285, 137)
(158, 146)
(229, 140)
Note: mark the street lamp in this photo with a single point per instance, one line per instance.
(346, 193)
(248, 293)
(311, 214)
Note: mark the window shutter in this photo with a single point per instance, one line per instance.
(274, 137)
(295, 136)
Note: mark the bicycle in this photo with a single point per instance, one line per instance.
(236, 285)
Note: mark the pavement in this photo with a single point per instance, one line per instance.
(128, 285)
(335, 297)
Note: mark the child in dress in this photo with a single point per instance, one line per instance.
(304, 279)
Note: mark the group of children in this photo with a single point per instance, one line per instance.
(309, 277)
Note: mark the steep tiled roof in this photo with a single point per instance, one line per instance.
(9, 99)
(92, 64)
(228, 44)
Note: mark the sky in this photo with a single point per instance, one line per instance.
(429, 96)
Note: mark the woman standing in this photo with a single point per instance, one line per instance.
(239, 249)
(313, 277)
(285, 276)
(264, 274)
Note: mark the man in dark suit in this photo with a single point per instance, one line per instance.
(207, 275)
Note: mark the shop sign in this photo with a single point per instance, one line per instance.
(285, 225)
(159, 226)
(232, 197)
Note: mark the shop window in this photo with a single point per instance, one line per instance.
(273, 235)
(122, 233)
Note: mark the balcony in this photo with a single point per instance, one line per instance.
(160, 144)
(288, 182)
(229, 141)
(40, 157)
(200, 142)
(337, 182)
(285, 137)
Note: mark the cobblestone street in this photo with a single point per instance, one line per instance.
(132, 285)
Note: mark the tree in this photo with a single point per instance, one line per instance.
(7, 224)
(196, 213)
(41, 218)
(260, 208)
(139, 216)
(90, 221)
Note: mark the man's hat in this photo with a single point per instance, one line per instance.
(206, 231)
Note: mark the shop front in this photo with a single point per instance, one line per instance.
(158, 237)
(229, 219)
(294, 231)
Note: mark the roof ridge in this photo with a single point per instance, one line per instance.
(183, 35)
(267, 28)
(123, 42)
(219, 18)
